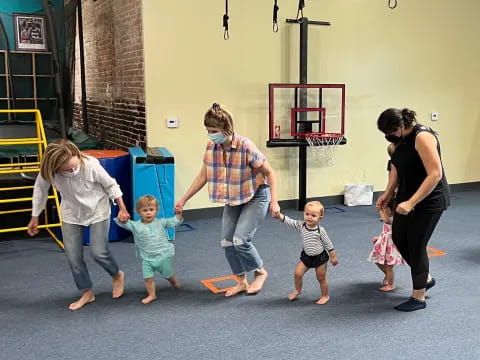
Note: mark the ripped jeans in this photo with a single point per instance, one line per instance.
(239, 225)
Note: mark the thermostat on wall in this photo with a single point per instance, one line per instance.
(172, 122)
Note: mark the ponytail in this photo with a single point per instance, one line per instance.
(217, 117)
(409, 117)
(391, 119)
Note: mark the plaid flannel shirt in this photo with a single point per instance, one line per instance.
(231, 174)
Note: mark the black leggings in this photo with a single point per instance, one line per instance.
(411, 234)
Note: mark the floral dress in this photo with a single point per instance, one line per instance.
(384, 250)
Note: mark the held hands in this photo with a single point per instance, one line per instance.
(404, 208)
(178, 213)
(382, 201)
(33, 226)
(123, 215)
(179, 206)
(278, 215)
(275, 209)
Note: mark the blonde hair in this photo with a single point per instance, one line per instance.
(316, 204)
(56, 154)
(146, 200)
(217, 117)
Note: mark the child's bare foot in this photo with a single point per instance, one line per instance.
(86, 298)
(387, 288)
(323, 300)
(257, 283)
(237, 289)
(174, 282)
(293, 295)
(149, 299)
(118, 281)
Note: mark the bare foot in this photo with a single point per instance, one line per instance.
(323, 300)
(174, 282)
(387, 288)
(237, 290)
(293, 295)
(148, 299)
(86, 298)
(257, 283)
(118, 281)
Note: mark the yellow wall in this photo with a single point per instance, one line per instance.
(423, 55)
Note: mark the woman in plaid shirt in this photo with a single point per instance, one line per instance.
(239, 176)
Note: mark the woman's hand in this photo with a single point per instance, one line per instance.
(404, 208)
(123, 215)
(179, 206)
(33, 226)
(382, 201)
(274, 208)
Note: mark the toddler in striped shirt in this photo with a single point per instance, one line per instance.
(317, 248)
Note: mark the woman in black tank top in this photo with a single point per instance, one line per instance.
(422, 194)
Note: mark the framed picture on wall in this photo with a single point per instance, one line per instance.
(30, 32)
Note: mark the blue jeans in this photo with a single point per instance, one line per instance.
(73, 241)
(239, 224)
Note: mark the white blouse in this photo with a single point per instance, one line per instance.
(84, 197)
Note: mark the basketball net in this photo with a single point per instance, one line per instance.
(324, 146)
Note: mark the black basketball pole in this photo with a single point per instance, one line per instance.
(302, 150)
(304, 126)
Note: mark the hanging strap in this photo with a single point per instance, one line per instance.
(301, 5)
(225, 22)
(275, 17)
(392, 4)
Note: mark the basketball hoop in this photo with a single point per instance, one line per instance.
(324, 146)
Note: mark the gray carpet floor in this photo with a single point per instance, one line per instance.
(358, 323)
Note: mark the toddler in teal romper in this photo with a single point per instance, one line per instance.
(152, 244)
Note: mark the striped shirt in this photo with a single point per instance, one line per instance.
(315, 241)
(231, 174)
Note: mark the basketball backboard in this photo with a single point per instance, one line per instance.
(296, 110)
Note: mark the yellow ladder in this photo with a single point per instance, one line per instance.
(41, 141)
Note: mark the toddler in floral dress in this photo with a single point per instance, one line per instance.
(384, 253)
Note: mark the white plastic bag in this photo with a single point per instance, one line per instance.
(358, 194)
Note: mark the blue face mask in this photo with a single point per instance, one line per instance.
(217, 138)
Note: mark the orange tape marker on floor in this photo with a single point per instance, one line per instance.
(209, 283)
(435, 252)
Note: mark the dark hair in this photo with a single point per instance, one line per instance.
(217, 117)
(391, 119)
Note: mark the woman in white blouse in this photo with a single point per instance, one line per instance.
(86, 190)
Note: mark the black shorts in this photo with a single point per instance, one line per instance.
(315, 260)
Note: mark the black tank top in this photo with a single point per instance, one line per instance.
(411, 173)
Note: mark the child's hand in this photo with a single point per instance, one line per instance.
(274, 209)
(333, 258)
(382, 201)
(179, 206)
(278, 215)
(179, 215)
(123, 215)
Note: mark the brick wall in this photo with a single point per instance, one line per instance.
(114, 77)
